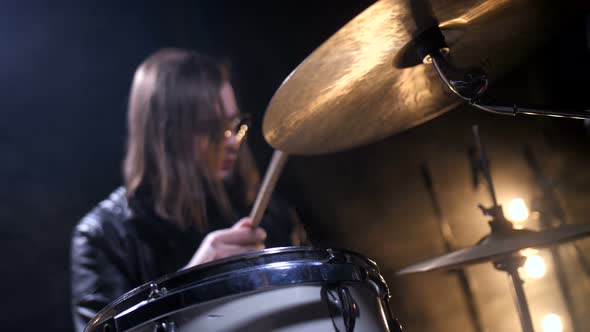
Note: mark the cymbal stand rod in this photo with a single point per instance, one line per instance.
(521, 302)
(471, 83)
(510, 266)
(498, 222)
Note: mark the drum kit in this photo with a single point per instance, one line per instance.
(396, 65)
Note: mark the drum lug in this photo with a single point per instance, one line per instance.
(336, 257)
(166, 327)
(156, 292)
(342, 305)
(108, 327)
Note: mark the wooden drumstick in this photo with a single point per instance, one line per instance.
(268, 184)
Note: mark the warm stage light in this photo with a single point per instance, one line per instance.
(552, 323)
(535, 266)
(517, 210)
(529, 252)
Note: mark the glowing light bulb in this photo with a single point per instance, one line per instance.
(535, 266)
(552, 323)
(529, 252)
(517, 210)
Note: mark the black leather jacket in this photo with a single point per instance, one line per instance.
(120, 245)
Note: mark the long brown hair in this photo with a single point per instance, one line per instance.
(175, 103)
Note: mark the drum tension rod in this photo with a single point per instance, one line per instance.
(341, 304)
(471, 83)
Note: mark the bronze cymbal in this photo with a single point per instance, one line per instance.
(361, 85)
(497, 245)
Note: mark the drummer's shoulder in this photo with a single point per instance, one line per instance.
(112, 213)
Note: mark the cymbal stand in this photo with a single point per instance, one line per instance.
(510, 265)
(471, 83)
(499, 224)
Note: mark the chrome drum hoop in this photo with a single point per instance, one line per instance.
(249, 273)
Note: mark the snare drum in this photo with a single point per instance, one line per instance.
(278, 289)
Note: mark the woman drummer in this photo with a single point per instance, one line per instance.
(189, 178)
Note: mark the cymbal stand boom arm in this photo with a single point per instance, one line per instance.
(507, 110)
(471, 83)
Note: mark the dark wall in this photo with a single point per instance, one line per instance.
(65, 70)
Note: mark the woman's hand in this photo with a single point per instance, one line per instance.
(239, 239)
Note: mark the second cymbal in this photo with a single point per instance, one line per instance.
(495, 246)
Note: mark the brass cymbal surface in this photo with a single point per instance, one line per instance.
(497, 245)
(354, 89)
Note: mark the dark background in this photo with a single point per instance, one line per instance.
(65, 71)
